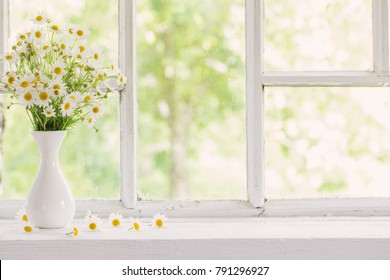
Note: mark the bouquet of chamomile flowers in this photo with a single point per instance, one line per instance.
(59, 81)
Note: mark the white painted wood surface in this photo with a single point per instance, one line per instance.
(128, 103)
(380, 27)
(254, 103)
(325, 79)
(337, 207)
(269, 238)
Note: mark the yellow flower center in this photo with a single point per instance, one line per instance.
(22, 37)
(28, 229)
(116, 222)
(81, 48)
(80, 33)
(75, 231)
(67, 106)
(136, 226)
(92, 226)
(24, 84)
(39, 18)
(87, 98)
(121, 79)
(79, 56)
(63, 46)
(24, 218)
(56, 92)
(55, 27)
(45, 47)
(38, 34)
(70, 30)
(96, 56)
(11, 80)
(58, 70)
(159, 223)
(56, 86)
(43, 95)
(95, 110)
(27, 96)
(9, 57)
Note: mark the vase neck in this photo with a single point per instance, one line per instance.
(49, 142)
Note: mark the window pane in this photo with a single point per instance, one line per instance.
(318, 35)
(191, 99)
(89, 160)
(327, 142)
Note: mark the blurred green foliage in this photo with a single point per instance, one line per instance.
(191, 95)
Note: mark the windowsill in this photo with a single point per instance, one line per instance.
(244, 238)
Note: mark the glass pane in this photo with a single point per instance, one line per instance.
(191, 99)
(318, 35)
(89, 160)
(327, 142)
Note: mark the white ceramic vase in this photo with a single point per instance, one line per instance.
(50, 203)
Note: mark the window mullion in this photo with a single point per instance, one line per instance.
(128, 103)
(380, 37)
(254, 102)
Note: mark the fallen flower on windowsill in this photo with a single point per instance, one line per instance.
(74, 232)
(135, 224)
(115, 219)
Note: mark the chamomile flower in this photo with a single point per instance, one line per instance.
(11, 57)
(43, 97)
(121, 80)
(70, 30)
(38, 35)
(57, 87)
(28, 227)
(89, 215)
(135, 224)
(66, 47)
(94, 224)
(46, 49)
(10, 78)
(49, 111)
(80, 32)
(79, 48)
(89, 121)
(67, 107)
(27, 98)
(88, 97)
(96, 111)
(21, 215)
(24, 81)
(74, 232)
(115, 219)
(81, 56)
(55, 28)
(112, 68)
(40, 19)
(21, 36)
(58, 69)
(159, 220)
(74, 97)
(96, 56)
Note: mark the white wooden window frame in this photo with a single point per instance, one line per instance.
(256, 81)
